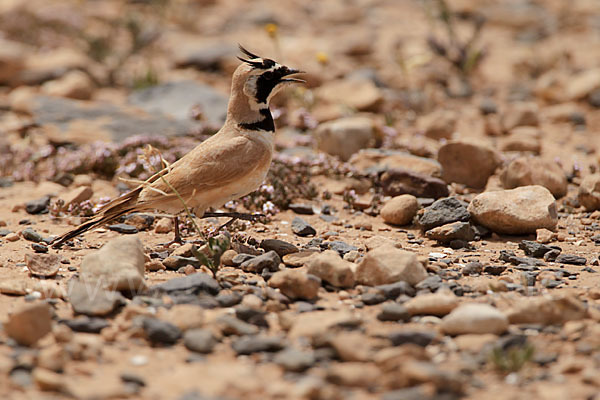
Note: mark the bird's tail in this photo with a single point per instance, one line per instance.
(111, 211)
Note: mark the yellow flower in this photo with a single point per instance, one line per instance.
(322, 57)
(271, 29)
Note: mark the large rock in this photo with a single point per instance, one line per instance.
(176, 100)
(516, 211)
(118, 265)
(400, 210)
(29, 323)
(296, 284)
(396, 182)
(379, 160)
(330, 267)
(475, 318)
(589, 192)
(388, 264)
(346, 136)
(527, 171)
(442, 212)
(467, 163)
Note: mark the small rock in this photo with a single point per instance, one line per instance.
(175, 262)
(544, 236)
(438, 304)
(48, 380)
(589, 192)
(494, 269)
(164, 225)
(570, 259)
(45, 265)
(342, 248)
(199, 340)
(357, 94)
(86, 324)
(227, 257)
(393, 312)
(394, 290)
(13, 287)
(269, 261)
(301, 208)
(387, 264)
(583, 84)
(527, 171)
(534, 249)
(74, 84)
(467, 163)
(184, 316)
(346, 136)
(255, 344)
(31, 235)
(30, 323)
(39, 248)
(298, 259)
(442, 212)
(294, 360)
(161, 332)
(400, 210)
(281, 247)
(296, 284)
(76, 196)
(520, 114)
(515, 211)
(439, 124)
(474, 318)
(301, 228)
(353, 374)
(399, 181)
(472, 268)
(38, 206)
(230, 325)
(547, 310)
(453, 231)
(191, 284)
(331, 268)
(418, 338)
(118, 265)
(89, 299)
(154, 265)
(141, 222)
(123, 228)
(12, 237)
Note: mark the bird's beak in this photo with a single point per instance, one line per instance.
(292, 71)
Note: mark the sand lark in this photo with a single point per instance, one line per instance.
(227, 166)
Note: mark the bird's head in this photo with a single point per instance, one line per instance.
(259, 79)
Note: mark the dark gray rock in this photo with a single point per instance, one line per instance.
(280, 247)
(39, 248)
(301, 208)
(570, 259)
(4, 232)
(269, 261)
(251, 315)
(302, 228)
(510, 257)
(393, 312)
(396, 289)
(86, 324)
(88, 299)
(442, 212)
(535, 249)
(494, 269)
(551, 255)
(31, 235)
(176, 100)
(472, 268)
(399, 181)
(199, 340)
(241, 258)
(191, 284)
(228, 299)
(39, 206)
(256, 344)
(160, 332)
(431, 283)
(341, 247)
(230, 325)
(411, 337)
(294, 360)
(123, 228)
(373, 297)
(176, 262)
(140, 221)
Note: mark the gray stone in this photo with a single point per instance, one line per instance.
(345, 136)
(29, 323)
(442, 212)
(302, 228)
(38, 206)
(256, 344)
(86, 324)
(301, 208)
(393, 312)
(535, 249)
(160, 332)
(294, 360)
(269, 261)
(280, 247)
(92, 300)
(393, 290)
(419, 338)
(230, 325)
(472, 268)
(32, 236)
(341, 247)
(176, 262)
(191, 284)
(570, 259)
(399, 181)
(123, 228)
(199, 340)
(176, 100)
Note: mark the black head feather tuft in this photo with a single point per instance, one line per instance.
(246, 52)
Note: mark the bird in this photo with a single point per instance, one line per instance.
(227, 166)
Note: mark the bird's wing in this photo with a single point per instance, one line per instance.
(208, 167)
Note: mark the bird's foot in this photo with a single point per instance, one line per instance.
(235, 215)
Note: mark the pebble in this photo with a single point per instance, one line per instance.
(450, 232)
(89, 299)
(301, 228)
(39, 206)
(301, 208)
(161, 332)
(281, 247)
(570, 259)
(199, 340)
(184, 316)
(400, 210)
(438, 304)
(164, 225)
(298, 259)
(123, 228)
(47, 380)
(589, 192)
(331, 268)
(29, 323)
(230, 325)
(175, 262)
(472, 268)
(44, 265)
(228, 299)
(31, 235)
(520, 114)
(439, 124)
(468, 163)
(269, 261)
(494, 269)
(296, 284)
(516, 211)
(397, 182)
(419, 338)
(118, 265)
(342, 248)
(12, 237)
(76, 196)
(474, 318)
(387, 264)
(294, 360)
(241, 258)
(86, 324)
(442, 212)
(547, 310)
(393, 312)
(527, 171)
(255, 344)
(393, 290)
(544, 236)
(372, 298)
(39, 248)
(191, 284)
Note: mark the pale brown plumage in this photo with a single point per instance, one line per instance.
(228, 165)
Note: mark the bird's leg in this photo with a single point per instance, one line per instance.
(177, 238)
(234, 215)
